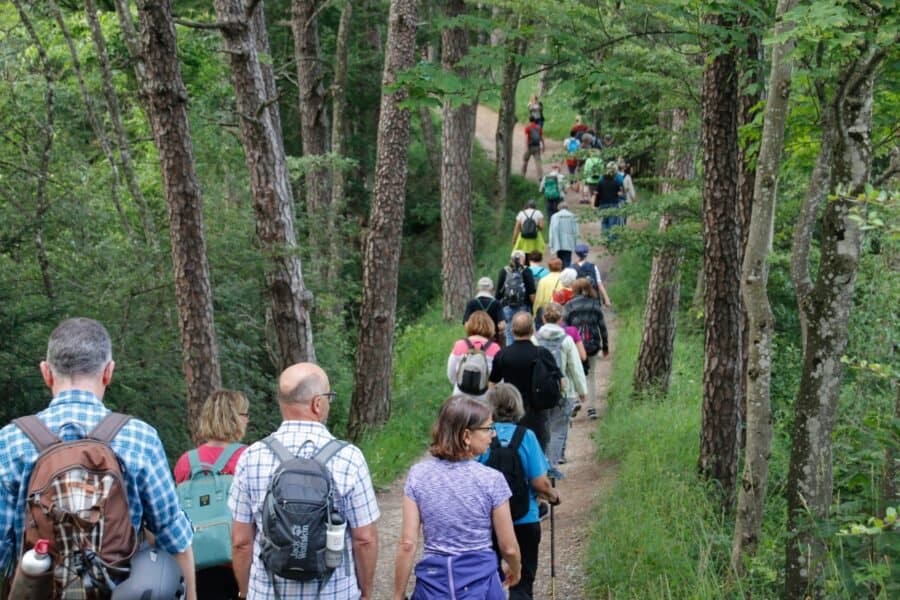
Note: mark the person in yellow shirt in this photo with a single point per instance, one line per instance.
(548, 284)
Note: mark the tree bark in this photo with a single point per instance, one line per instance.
(457, 133)
(506, 118)
(166, 105)
(371, 403)
(339, 128)
(313, 121)
(809, 486)
(654, 362)
(429, 137)
(760, 320)
(722, 377)
(273, 200)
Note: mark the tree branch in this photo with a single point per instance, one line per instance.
(201, 24)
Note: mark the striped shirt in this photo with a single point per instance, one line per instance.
(354, 499)
(151, 492)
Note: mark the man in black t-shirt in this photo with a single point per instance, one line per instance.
(484, 300)
(514, 364)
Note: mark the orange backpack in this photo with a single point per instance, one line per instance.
(77, 500)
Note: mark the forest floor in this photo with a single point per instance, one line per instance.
(586, 479)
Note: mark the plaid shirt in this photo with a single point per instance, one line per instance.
(354, 498)
(151, 491)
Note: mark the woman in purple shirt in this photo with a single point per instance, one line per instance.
(458, 503)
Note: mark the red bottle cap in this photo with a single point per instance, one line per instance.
(42, 547)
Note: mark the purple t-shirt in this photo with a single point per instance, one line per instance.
(455, 501)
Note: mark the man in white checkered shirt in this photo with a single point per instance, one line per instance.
(304, 397)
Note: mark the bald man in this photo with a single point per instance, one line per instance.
(304, 398)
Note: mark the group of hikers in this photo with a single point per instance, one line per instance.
(89, 508)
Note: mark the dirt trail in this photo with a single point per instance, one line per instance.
(586, 479)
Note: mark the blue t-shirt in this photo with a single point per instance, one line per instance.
(533, 460)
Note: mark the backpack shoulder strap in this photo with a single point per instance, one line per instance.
(194, 462)
(227, 452)
(281, 453)
(107, 429)
(327, 452)
(39, 434)
(517, 438)
(469, 343)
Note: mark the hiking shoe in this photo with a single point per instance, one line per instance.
(575, 409)
(554, 473)
(543, 511)
(562, 460)
(592, 414)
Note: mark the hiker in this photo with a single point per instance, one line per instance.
(563, 292)
(78, 369)
(590, 271)
(506, 403)
(304, 399)
(545, 288)
(536, 110)
(553, 184)
(571, 145)
(478, 340)
(459, 504)
(223, 424)
(528, 232)
(515, 289)
(578, 128)
(609, 195)
(484, 300)
(534, 145)
(584, 312)
(623, 171)
(554, 338)
(536, 265)
(591, 174)
(514, 364)
(563, 233)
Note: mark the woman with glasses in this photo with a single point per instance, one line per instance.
(223, 424)
(457, 502)
(506, 402)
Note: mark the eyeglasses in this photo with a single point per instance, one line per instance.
(492, 428)
(330, 395)
(246, 415)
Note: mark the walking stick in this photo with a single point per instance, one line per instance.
(552, 548)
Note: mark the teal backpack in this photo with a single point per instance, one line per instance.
(204, 498)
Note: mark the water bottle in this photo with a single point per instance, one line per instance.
(334, 541)
(34, 576)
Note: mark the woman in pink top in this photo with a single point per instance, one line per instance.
(223, 421)
(480, 334)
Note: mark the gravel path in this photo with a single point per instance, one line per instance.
(586, 478)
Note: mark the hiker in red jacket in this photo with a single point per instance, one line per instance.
(534, 145)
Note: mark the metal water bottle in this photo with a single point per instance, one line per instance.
(334, 541)
(34, 575)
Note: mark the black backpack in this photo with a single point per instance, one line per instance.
(534, 136)
(546, 381)
(529, 226)
(506, 460)
(514, 288)
(296, 512)
(590, 323)
(588, 271)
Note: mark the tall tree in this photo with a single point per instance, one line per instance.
(846, 149)
(755, 277)
(371, 403)
(457, 133)
(654, 362)
(515, 48)
(722, 376)
(166, 100)
(273, 200)
(339, 127)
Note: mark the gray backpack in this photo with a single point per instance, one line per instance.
(296, 512)
(473, 372)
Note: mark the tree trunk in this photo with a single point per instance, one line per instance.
(809, 486)
(760, 320)
(339, 127)
(506, 119)
(166, 105)
(458, 130)
(429, 137)
(313, 122)
(371, 404)
(722, 377)
(891, 487)
(273, 200)
(654, 362)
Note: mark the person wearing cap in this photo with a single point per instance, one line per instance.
(484, 300)
(610, 195)
(563, 233)
(589, 271)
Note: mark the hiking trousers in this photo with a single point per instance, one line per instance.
(558, 422)
(529, 537)
(533, 152)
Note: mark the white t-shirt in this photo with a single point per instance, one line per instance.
(537, 216)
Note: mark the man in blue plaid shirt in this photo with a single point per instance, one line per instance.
(304, 397)
(78, 369)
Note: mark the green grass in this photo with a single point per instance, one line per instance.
(558, 114)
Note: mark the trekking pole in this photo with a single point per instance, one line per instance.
(552, 547)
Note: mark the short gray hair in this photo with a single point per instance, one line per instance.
(506, 402)
(79, 346)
